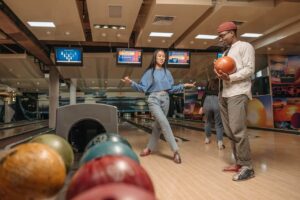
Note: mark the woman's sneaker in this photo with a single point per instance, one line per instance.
(145, 152)
(245, 173)
(207, 140)
(177, 158)
(221, 145)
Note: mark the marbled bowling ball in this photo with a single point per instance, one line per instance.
(31, 171)
(109, 169)
(108, 148)
(106, 137)
(225, 64)
(60, 145)
(115, 191)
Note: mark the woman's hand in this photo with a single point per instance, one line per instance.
(190, 84)
(126, 79)
(201, 112)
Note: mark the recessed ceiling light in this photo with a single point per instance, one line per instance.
(103, 34)
(41, 24)
(48, 32)
(163, 41)
(192, 42)
(106, 26)
(252, 35)
(67, 33)
(160, 34)
(281, 49)
(118, 35)
(97, 26)
(269, 48)
(207, 37)
(149, 40)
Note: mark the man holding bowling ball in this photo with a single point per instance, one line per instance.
(234, 97)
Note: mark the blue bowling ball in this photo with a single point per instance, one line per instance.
(103, 137)
(108, 148)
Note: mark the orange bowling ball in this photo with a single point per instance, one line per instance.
(31, 171)
(226, 65)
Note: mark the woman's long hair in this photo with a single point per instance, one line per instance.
(213, 84)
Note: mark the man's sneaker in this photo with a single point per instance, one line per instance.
(244, 174)
(221, 145)
(207, 140)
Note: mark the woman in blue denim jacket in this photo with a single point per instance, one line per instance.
(157, 80)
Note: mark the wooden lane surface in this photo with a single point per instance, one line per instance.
(276, 159)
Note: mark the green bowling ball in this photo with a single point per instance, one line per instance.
(108, 148)
(59, 144)
(103, 137)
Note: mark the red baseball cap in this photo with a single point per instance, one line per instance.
(226, 26)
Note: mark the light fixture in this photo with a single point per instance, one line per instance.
(206, 37)
(160, 34)
(252, 35)
(41, 24)
(106, 26)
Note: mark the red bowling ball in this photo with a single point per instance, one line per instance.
(116, 191)
(106, 170)
(226, 65)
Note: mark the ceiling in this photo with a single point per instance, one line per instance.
(277, 20)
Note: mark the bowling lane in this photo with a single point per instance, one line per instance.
(13, 135)
(17, 124)
(22, 129)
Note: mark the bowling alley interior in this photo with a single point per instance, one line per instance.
(84, 116)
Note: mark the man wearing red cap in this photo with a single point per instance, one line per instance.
(234, 99)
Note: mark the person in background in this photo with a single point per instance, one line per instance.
(211, 110)
(157, 80)
(234, 99)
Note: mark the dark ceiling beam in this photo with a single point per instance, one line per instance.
(194, 25)
(84, 18)
(6, 41)
(13, 27)
(140, 20)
